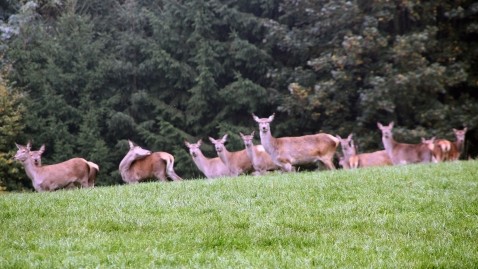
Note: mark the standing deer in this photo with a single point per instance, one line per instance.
(401, 153)
(210, 167)
(238, 162)
(140, 164)
(458, 145)
(36, 156)
(288, 151)
(55, 176)
(441, 150)
(261, 160)
(353, 160)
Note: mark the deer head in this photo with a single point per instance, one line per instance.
(194, 149)
(137, 152)
(347, 144)
(36, 155)
(460, 134)
(386, 130)
(429, 142)
(23, 152)
(264, 124)
(219, 143)
(248, 139)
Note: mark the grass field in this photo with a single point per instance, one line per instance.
(409, 217)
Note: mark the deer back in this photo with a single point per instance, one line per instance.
(149, 166)
(305, 149)
(377, 158)
(56, 176)
(411, 153)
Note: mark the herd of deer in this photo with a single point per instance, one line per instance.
(282, 153)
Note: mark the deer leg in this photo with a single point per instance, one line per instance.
(328, 163)
(161, 176)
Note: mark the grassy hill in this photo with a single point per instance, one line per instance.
(409, 216)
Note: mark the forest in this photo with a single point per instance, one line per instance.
(84, 77)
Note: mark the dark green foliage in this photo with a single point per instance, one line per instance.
(99, 72)
(12, 176)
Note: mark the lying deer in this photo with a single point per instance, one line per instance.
(353, 160)
(55, 176)
(36, 156)
(288, 151)
(238, 162)
(261, 160)
(210, 167)
(401, 153)
(140, 164)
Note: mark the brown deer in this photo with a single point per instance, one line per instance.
(210, 167)
(288, 151)
(36, 156)
(353, 160)
(55, 176)
(261, 160)
(458, 145)
(401, 153)
(140, 164)
(238, 162)
(441, 150)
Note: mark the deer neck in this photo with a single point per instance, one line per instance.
(459, 145)
(251, 152)
(125, 164)
(268, 141)
(33, 172)
(389, 144)
(225, 156)
(201, 162)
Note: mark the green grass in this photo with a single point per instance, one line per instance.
(410, 217)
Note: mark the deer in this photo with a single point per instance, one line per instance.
(458, 145)
(261, 160)
(435, 152)
(352, 160)
(36, 156)
(56, 176)
(402, 153)
(210, 167)
(237, 161)
(441, 150)
(289, 151)
(140, 164)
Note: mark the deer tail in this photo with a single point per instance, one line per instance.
(170, 168)
(94, 169)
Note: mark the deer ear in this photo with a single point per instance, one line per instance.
(224, 138)
(271, 117)
(252, 134)
(255, 117)
(18, 146)
(29, 145)
(199, 142)
(187, 143)
(131, 144)
(350, 137)
(212, 140)
(379, 125)
(42, 149)
(391, 124)
(338, 137)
